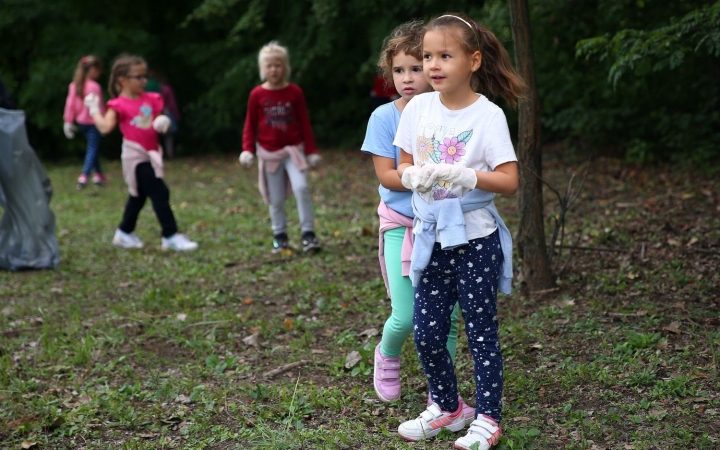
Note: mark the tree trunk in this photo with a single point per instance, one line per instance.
(534, 266)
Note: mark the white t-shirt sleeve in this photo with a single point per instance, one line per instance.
(497, 144)
(403, 137)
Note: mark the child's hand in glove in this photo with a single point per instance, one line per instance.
(92, 101)
(161, 124)
(246, 158)
(69, 130)
(462, 176)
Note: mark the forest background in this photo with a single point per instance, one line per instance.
(629, 78)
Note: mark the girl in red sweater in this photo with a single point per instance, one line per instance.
(277, 129)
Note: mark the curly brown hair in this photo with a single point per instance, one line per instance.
(404, 38)
(496, 76)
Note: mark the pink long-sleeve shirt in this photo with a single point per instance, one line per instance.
(75, 109)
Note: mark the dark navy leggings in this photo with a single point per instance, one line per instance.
(467, 275)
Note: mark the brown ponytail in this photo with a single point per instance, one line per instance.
(81, 71)
(496, 76)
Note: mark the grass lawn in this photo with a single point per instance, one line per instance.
(153, 350)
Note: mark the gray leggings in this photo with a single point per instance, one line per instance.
(277, 190)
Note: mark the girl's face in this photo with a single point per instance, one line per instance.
(273, 70)
(446, 64)
(94, 72)
(134, 82)
(408, 76)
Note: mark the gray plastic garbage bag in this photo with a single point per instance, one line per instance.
(27, 228)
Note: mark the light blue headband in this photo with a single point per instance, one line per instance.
(477, 39)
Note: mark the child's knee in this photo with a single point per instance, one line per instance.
(401, 325)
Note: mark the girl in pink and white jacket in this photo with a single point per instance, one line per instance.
(85, 82)
(139, 116)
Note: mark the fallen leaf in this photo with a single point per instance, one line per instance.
(8, 311)
(662, 345)
(536, 346)
(288, 324)
(26, 444)
(182, 399)
(674, 327)
(57, 423)
(248, 301)
(692, 241)
(352, 359)
(252, 340)
(370, 332)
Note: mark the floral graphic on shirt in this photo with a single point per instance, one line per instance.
(425, 147)
(442, 193)
(450, 150)
(144, 119)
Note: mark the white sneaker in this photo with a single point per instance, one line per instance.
(178, 242)
(484, 431)
(125, 240)
(431, 422)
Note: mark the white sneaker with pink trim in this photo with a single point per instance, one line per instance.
(484, 431)
(431, 422)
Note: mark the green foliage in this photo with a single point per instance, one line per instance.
(634, 50)
(662, 60)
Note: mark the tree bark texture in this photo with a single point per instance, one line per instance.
(532, 250)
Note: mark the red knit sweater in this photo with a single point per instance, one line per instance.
(276, 118)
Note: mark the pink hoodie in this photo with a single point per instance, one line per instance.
(75, 109)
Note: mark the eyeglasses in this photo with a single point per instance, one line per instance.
(138, 77)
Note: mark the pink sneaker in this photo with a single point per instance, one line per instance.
(468, 411)
(386, 377)
(81, 181)
(99, 179)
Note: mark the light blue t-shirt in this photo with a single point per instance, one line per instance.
(379, 138)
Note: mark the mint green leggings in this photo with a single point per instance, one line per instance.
(400, 323)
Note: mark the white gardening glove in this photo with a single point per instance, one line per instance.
(314, 160)
(161, 124)
(411, 179)
(454, 174)
(69, 130)
(246, 158)
(92, 101)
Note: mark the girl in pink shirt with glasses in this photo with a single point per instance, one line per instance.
(139, 116)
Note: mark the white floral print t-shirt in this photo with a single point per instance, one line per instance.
(476, 137)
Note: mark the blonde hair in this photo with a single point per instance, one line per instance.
(274, 50)
(496, 76)
(405, 38)
(121, 68)
(81, 72)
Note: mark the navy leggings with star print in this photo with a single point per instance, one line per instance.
(467, 275)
